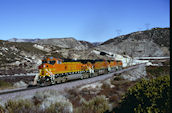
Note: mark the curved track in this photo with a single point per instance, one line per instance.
(11, 94)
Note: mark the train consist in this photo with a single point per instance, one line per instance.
(55, 70)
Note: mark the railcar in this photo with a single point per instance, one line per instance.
(55, 70)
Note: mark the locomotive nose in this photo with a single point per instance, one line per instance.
(40, 67)
(43, 70)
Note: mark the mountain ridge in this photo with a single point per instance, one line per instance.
(154, 42)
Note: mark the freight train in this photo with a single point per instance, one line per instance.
(55, 70)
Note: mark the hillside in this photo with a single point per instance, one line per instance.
(23, 56)
(154, 42)
(68, 43)
(87, 44)
(26, 54)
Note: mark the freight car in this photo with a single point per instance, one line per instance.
(55, 70)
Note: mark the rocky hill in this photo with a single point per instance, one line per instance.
(87, 44)
(154, 42)
(67, 43)
(25, 56)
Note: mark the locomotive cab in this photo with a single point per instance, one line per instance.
(46, 72)
(47, 65)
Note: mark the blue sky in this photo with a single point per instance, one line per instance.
(90, 20)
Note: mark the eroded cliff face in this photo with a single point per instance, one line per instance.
(136, 48)
(154, 42)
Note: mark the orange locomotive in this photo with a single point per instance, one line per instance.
(54, 70)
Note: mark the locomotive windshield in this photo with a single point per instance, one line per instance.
(44, 61)
(52, 62)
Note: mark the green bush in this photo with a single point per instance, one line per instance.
(147, 96)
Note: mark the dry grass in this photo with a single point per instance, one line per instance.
(58, 108)
(20, 106)
(48, 101)
(5, 85)
(98, 104)
(51, 100)
(114, 94)
(154, 71)
(2, 109)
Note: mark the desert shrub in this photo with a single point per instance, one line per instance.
(98, 104)
(105, 90)
(152, 96)
(73, 92)
(118, 78)
(75, 95)
(2, 109)
(51, 100)
(57, 104)
(20, 84)
(19, 106)
(39, 97)
(4, 84)
(106, 86)
(153, 71)
(166, 63)
(48, 101)
(114, 98)
(59, 108)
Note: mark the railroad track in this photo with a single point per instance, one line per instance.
(10, 94)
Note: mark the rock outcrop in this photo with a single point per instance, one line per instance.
(154, 42)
